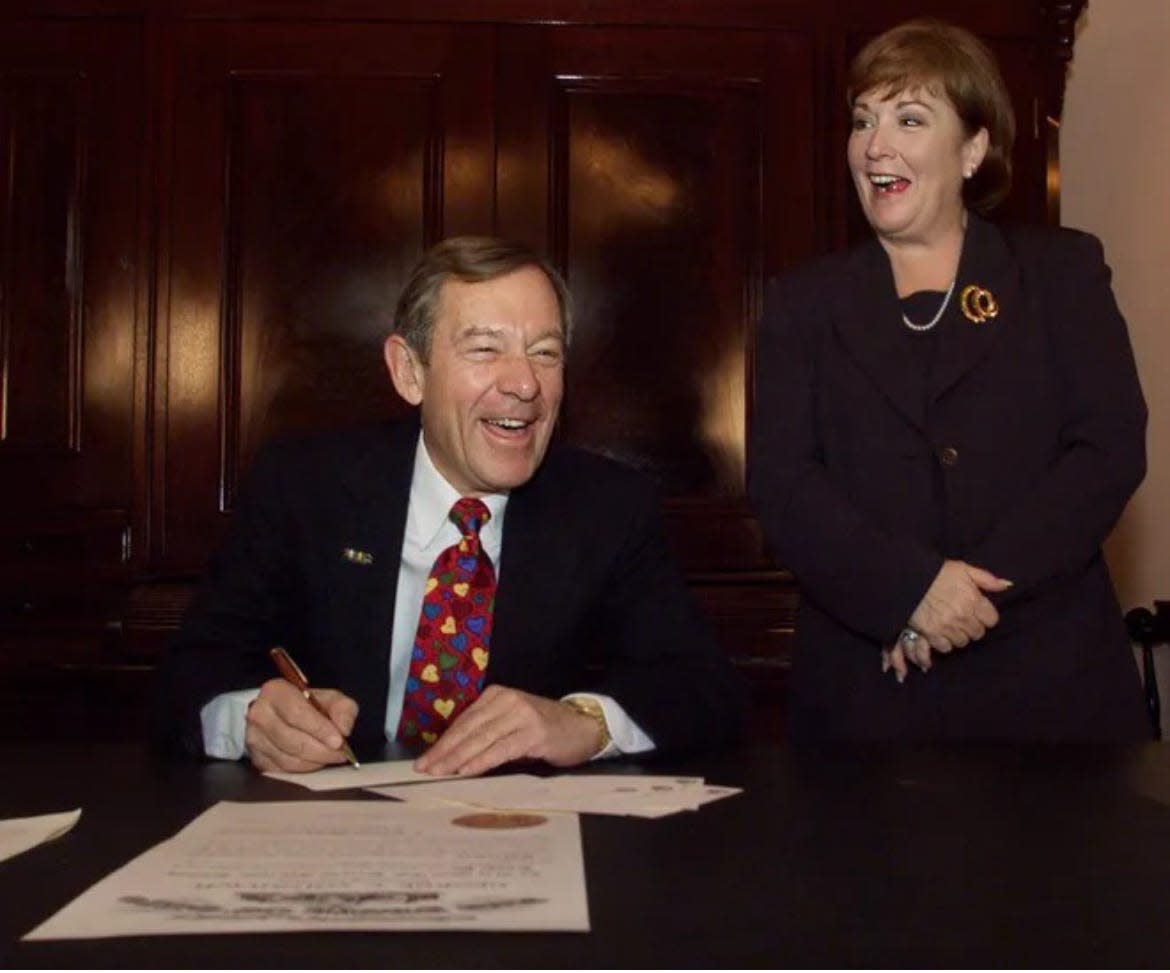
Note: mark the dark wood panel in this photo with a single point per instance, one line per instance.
(325, 215)
(661, 203)
(25, 550)
(1022, 66)
(985, 15)
(754, 617)
(73, 701)
(41, 165)
(310, 168)
(72, 125)
(63, 582)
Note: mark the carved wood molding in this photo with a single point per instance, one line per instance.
(1060, 26)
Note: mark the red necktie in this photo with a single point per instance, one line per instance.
(450, 654)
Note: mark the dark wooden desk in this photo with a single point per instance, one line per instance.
(983, 857)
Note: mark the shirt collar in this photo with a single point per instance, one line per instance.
(432, 497)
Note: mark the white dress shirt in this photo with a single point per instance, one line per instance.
(429, 530)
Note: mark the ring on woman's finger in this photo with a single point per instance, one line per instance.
(909, 636)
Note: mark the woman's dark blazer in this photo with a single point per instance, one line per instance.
(1019, 458)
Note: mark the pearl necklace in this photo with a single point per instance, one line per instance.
(938, 314)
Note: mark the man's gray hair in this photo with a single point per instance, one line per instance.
(472, 260)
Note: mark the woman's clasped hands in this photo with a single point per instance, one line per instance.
(954, 612)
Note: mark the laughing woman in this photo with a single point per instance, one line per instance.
(947, 424)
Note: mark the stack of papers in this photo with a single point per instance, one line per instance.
(622, 794)
(643, 796)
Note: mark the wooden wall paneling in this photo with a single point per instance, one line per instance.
(72, 280)
(310, 164)
(1058, 36)
(73, 117)
(41, 405)
(984, 15)
(1019, 60)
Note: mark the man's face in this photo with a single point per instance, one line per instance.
(490, 395)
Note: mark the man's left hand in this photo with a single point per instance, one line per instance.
(507, 724)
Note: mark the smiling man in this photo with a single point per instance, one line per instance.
(459, 582)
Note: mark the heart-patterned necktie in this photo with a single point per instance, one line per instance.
(450, 653)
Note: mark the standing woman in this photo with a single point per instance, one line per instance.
(947, 424)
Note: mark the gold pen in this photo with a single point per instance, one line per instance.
(292, 672)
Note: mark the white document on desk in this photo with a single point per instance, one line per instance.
(367, 775)
(341, 865)
(21, 834)
(631, 795)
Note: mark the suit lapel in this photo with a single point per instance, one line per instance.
(377, 486)
(987, 262)
(865, 311)
(867, 314)
(378, 483)
(520, 583)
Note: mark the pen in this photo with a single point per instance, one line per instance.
(292, 672)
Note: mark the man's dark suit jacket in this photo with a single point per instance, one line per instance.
(585, 577)
(1019, 458)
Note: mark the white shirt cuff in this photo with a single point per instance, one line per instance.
(625, 736)
(224, 723)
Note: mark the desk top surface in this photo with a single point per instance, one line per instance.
(951, 857)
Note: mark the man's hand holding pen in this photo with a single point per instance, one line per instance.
(293, 728)
(285, 732)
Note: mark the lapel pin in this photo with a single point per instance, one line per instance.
(978, 304)
(357, 557)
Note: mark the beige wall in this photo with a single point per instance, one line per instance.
(1115, 175)
(1115, 150)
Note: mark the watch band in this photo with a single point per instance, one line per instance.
(592, 708)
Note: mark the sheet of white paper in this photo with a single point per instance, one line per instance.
(21, 834)
(504, 791)
(367, 775)
(360, 865)
(624, 794)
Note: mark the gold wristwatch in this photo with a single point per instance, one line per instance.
(592, 708)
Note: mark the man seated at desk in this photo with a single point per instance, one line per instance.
(453, 577)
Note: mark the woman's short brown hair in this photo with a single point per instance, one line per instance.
(933, 54)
